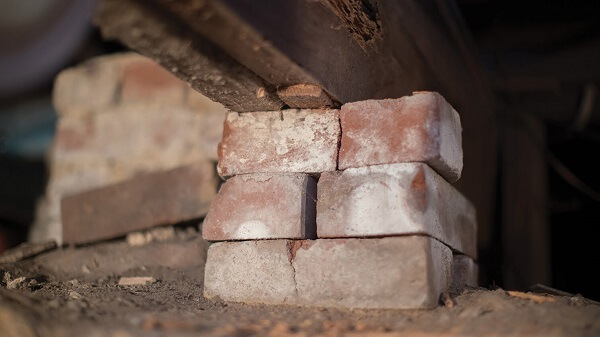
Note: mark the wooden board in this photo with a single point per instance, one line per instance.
(192, 58)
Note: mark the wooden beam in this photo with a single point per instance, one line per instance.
(525, 223)
(192, 58)
(309, 42)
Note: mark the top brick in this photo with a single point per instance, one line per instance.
(295, 141)
(418, 128)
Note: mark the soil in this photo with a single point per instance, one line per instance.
(47, 300)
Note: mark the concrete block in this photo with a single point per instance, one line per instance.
(395, 199)
(142, 202)
(465, 271)
(263, 206)
(418, 128)
(301, 141)
(395, 272)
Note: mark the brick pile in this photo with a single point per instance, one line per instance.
(347, 208)
(121, 117)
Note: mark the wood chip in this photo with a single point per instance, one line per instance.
(136, 281)
(532, 297)
(305, 96)
(447, 300)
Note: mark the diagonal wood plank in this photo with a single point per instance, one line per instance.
(192, 58)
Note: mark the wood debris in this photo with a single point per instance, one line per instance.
(136, 281)
(532, 297)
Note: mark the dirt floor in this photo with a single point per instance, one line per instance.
(74, 292)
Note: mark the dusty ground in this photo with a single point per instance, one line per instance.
(74, 292)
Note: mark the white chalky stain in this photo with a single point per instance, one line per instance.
(252, 229)
(375, 208)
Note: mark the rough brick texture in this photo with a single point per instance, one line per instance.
(263, 206)
(251, 272)
(396, 272)
(418, 128)
(115, 112)
(147, 200)
(303, 141)
(464, 271)
(395, 199)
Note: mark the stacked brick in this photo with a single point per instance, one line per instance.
(342, 208)
(121, 117)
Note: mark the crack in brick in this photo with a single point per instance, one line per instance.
(292, 249)
(293, 246)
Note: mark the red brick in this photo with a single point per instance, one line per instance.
(384, 273)
(418, 128)
(143, 79)
(263, 206)
(395, 199)
(302, 141)
(144, 201)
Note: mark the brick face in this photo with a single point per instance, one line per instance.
(147, 200)
(90, 87)
(263, 206)
(302, 141)
(418, 128)
(387, 273)
(145, 80)
(250, 272)
(395, 199)
(384, 273)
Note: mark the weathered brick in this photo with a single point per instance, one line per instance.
(250, 272)
(263, 206)
(212, 115)
(464, 271)
(144, 201)
(108, 129)
(91, 86)
(302, 141)
(395, 199)
(418, 128)
(395, 272)
(117, 257)
(143, 79)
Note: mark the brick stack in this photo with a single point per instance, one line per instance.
(119, 117)
(371, 223)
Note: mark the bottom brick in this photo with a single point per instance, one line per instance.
(395, 272)
(464, 271)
